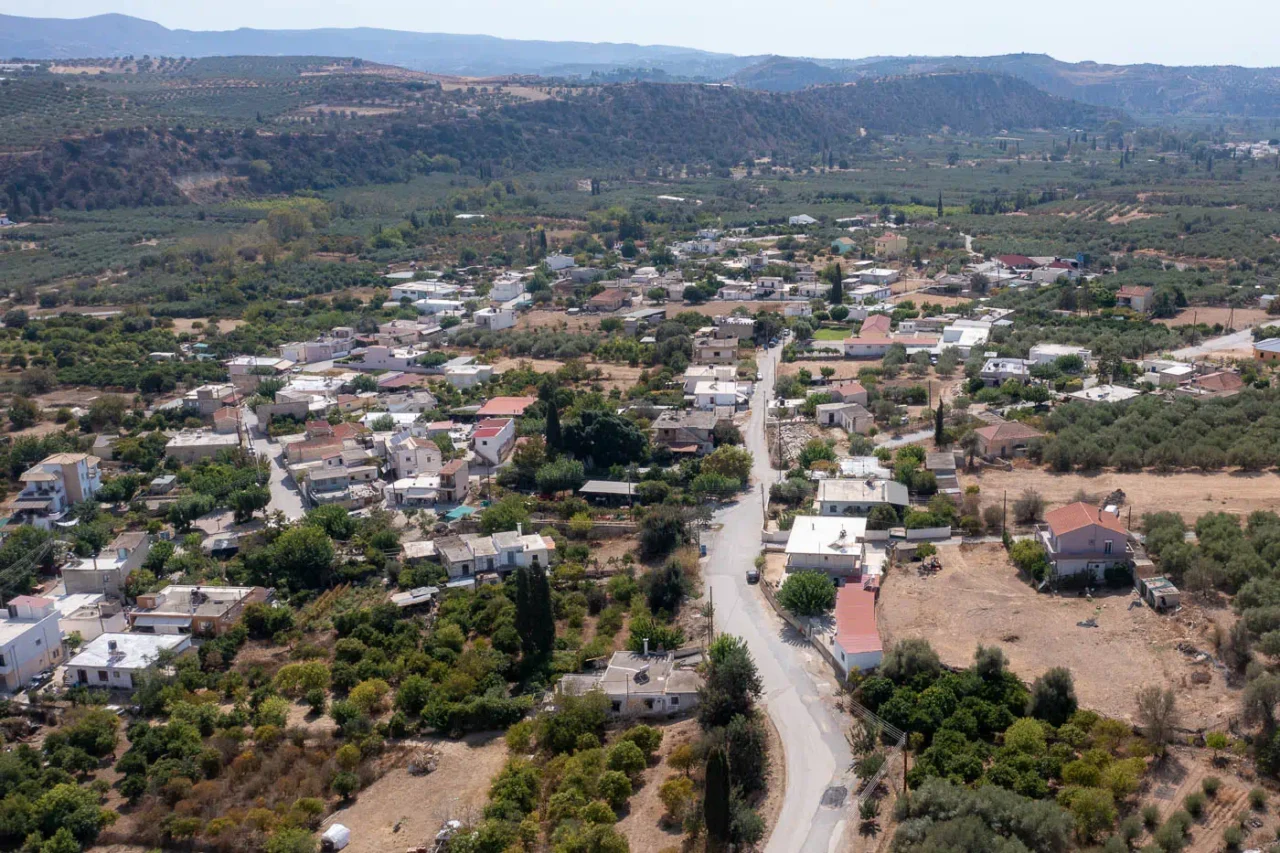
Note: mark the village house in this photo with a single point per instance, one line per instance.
(203, 611)
(1082, 539)
(411, 455)
(1005, 440)
(53, 485)
(1049, 353)
(205, 400)
(852, 417)
(472, 553)
(696, 374)
(714, 394)
(640, 684)
(714, 351)
(855, 643)
(831, 545)
(115, 661)
(106, 573)
(89, 614)
(1134, 297)
(455, 481)
(691, 433)
(1220, 383)
(801, 219)
(890, 245)
(493, 438)
(1267, 350)
(729, 326)
(612, 299)
(849, 391)
(468, 375)
(248, 371)
(494, 319)
(30, 640)
(859, 497)
(506, 407)
(997, 371)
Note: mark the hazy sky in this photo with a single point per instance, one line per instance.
(1172, 32)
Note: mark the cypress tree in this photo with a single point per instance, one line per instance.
(938, 427)
(715, 806)
(939, 204)
(837, 287)
(544, 620)
(525, 615)
(553, 426)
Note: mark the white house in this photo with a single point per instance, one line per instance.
(30, 640)
(559, 262)
(878, 275)
(831, 545)
(1049, 353)
(494, 319)
(640, 684)
(866, 293)
(709, 395)
(856, 641)
(468, 375)
(696, 374)
(492, 438)
(89, 614)
(802, 219)
(411, 455)
(106, 573)
(859, 497)
(506, 287)
(114, 661)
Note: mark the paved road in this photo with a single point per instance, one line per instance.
(284, 491)
(1235, 340)
(800, 704)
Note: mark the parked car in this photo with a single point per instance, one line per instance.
(753, 576)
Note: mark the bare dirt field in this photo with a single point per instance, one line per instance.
(1191, 494)
(559, 321)
(188, 324)
(619, 376)
(401, 810)
(979, 598)
(844, 369)
(1242, 317)
(539, 365)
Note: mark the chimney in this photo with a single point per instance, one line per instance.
(519, 528)
(646, 646)
(111, 645)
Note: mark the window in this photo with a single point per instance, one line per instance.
(615, 706)
(39, 642)
(115, 675)
(102, 675)
(1106, 548)
(2, 663)
(675, 700)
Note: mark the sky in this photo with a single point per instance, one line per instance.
(1169, 32)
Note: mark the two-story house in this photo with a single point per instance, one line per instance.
(492, 438)
(30, 640)
(1081, 538)
(107, 572)
(53, 485)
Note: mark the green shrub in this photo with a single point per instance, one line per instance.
(1194, 804)
(1211, 785)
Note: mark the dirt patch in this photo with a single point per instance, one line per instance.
(1183, 772)
(559, 321)
(538, 365)
(188, 325)
(1238, 318)
(1191, 494)
(979, 598)
(844, 369)
(400, 810)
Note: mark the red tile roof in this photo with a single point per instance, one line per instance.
(31, 600)
(1134, 290)
(1015, 260)
(1078, 515)
(492, 432)
(848, 388)
(493, 423)
(1006, 431)
(856, 629)
(876, 323)
(506, 407)
(1222, 380)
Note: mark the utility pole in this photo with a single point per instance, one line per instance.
(1004, 515)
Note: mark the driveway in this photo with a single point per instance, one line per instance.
(284, 491)
(799, 703)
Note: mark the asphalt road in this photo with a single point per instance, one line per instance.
(284, 491)
(799, 704)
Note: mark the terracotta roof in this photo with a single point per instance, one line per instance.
(850, 387)
(1015, 260)
(453, 467)
(1008, 430)
(492, 432)
(1133, 290)
(493, 423)
(31, 600)
(1222, 380)
(1078, 515)
(856, 629)
(506, 406)
(877, 323)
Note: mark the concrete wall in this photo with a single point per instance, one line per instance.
(928, 533)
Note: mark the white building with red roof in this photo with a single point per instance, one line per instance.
(492, 438)
(856, 644)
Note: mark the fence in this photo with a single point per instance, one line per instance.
(896, 735)
(802, 629)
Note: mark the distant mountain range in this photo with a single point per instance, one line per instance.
(1142, 90)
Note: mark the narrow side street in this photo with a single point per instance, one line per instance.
(284, 491)
(799, 703)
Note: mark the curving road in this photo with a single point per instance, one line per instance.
(799, 704)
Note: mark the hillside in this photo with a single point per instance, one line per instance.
(605, 128)
(784, 74)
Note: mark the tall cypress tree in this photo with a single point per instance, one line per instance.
(939, 427)
(543, 628)
(939, 205)
(525, 611)
(715, 805)
(547, 393)
(837, 286)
